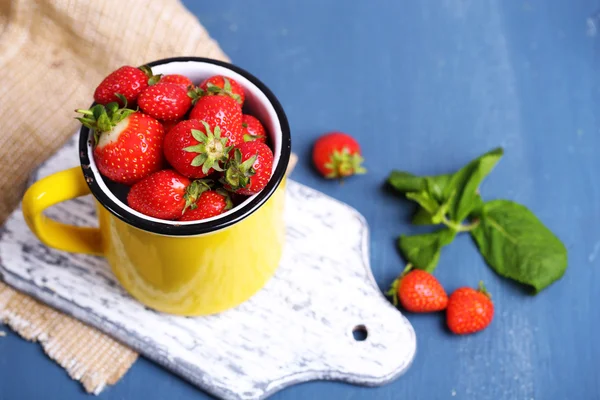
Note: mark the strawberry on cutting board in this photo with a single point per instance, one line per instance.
(469, 310)
(209, 204)
(195, 149)
(337, 155)
(128, 145)
(221, 111)
(127, 81)
(418, 291)
(165, 101)
(253, 129)
(224, 86)
(165, 194)
(249, 168)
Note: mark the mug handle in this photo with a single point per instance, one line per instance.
(53, 189)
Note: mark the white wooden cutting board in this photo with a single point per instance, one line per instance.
(297, 328)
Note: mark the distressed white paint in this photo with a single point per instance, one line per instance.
(298, 328)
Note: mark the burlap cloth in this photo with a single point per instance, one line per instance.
(52, 55)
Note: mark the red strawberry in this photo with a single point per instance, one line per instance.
(249, 168)
(221, 111)
(128, 145)
(221, 85)
(168, 125)
(337, 155)
(127, 81)
(165, 101)
(253, 129)
(418, 291)
(210, 203)
(194, 150)
(469, 310)
(177, 79)
(164, 194)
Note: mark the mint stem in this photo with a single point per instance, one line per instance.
(458, 227)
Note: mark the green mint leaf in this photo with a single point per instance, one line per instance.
(404, 182)
(424, 200)
(423, 251)
(436, 186)
(517, 245)
(422, 217)
(477, 206)
(466, 181)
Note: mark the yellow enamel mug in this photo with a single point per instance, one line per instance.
(186, 268)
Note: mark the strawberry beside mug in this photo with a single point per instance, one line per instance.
(180, 267)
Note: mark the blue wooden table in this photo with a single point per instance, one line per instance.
(426, 86)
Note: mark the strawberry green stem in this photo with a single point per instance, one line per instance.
(225, 194)
(483, 290)
(193, 192)
(393, 290)
(238, 173)
(152, 79)
(226, 90)
(212, 149)
(195, 94)
(342, 163)
(103, 118)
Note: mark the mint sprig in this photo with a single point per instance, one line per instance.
(511, 239)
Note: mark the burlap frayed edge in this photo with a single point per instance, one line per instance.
(67, 341)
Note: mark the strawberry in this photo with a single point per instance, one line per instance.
(165, 194)
(469, 310)
(127, 81)
(168, 125)
(181, 80)
(221, 85)
(221, 111)
(249, 168)
(165, 101)
(194, 150)
(209, 204)
(337, 155)
(253, 129)
(128, 145)
(418, 291)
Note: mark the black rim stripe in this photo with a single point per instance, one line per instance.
(200, 227)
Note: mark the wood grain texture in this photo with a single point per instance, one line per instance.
(426, 86)
(299, 327)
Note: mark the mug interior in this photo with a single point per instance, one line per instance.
(259, 102)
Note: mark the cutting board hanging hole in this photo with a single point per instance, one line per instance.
(360, 333)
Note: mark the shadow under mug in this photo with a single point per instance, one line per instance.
(186, 268)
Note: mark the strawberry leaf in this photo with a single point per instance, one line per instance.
(226, 85)
(152, 79)
(199, 135)
(249, 163)
(122, 98)
(225, 194)
(212, 88)
(199, 160)
(217, 131)
(195, 94)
